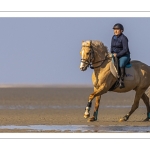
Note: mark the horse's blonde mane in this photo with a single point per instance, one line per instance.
(99, 45)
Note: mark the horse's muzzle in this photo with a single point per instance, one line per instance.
(83, 68)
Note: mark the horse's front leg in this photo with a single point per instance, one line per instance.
(87, 109)
(95, 114)
(89, 105)
(97, 94)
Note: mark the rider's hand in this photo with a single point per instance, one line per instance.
(115, 55)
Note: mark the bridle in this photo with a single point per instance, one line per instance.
(92, 58)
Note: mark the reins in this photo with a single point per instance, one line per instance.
(91, 64)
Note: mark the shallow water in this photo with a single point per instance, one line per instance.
(81, 128)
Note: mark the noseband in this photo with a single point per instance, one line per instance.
(89, 63)
(91, 57)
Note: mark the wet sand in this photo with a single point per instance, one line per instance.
(26, 106)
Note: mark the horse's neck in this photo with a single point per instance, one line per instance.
(102, 71)
(103, 64)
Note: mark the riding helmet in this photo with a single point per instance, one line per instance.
(118, 26)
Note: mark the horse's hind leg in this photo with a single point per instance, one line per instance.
(138, 95)
(145, 99)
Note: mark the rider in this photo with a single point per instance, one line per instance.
(120, 50)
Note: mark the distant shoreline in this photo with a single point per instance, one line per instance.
(45, 86)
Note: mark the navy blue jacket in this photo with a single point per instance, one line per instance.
(119, 45)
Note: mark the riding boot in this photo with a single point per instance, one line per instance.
(122, 74)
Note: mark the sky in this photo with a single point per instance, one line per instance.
(46, 50)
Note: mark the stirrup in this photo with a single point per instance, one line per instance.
(121, 85)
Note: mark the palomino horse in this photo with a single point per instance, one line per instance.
(96, 55)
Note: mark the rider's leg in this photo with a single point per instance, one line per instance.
(122, 74)
(122, 63)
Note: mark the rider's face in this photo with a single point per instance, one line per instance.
(117, 31)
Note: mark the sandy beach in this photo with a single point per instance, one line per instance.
(61, 106)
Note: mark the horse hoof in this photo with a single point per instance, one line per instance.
(91, 119)
(86, 116)
(121, 120)
(125, 118)
(147, 119)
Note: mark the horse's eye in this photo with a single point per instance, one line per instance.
(87, 53)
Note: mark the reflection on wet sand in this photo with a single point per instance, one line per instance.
(80, 128)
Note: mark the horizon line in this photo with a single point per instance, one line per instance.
(43, 85)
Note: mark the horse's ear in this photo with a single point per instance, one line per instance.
(82, 43)
(90, 42)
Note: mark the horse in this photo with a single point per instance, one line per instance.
(96, 55)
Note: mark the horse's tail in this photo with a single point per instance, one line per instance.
(147, 92)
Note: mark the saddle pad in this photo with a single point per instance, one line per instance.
(129, 72)
(113, 70)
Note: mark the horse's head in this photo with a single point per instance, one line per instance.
(93, 54)
(86, 55)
